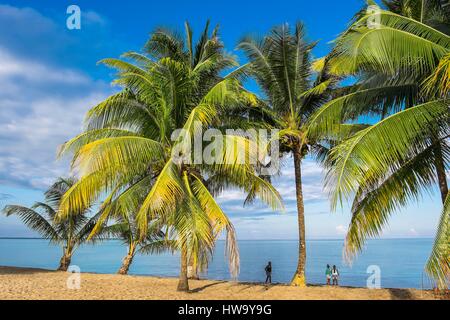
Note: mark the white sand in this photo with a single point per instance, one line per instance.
(24, 283)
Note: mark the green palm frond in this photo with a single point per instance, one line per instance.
(123, 66)
(85, 231)
(84, 193)
(372, 207)
(159, 246)
(371, 152)
(129, 154)
(166, 43)
(74, 145)
(352, 106)
(163, 197)
(395, 43)
(122, 111)
(34, 221)
(220, 222)
(438, 265)
(140, 58)
(439, 81)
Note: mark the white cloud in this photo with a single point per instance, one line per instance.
(341, 230)
(309, 169)
(13, 67)
(92, 17)
(41, 107)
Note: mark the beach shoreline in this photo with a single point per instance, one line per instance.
(40, 284)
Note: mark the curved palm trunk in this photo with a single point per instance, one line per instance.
(440, 170)
(127, 261)
(192, 272)
(64, 263)
(299, 278)
(183, 283)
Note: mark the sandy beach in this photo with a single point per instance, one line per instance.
(26, 283)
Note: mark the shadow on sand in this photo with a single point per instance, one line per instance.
(401, 294)
(13, 270)
(199, 289)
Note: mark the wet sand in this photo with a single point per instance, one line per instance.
(26, 283)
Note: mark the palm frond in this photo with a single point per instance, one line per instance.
(220, 223)
(438, 265)
(372, 151)
(34, 221)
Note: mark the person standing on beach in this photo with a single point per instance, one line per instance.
(268, 270)
(335, 276)
(328, 274)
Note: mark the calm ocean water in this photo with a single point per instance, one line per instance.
(401, 261)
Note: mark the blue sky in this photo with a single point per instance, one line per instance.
(49, 79)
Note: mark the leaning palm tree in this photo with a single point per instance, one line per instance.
(402, 69)
(69, 233)
(126, 229)
(282, 66)
(133, 146)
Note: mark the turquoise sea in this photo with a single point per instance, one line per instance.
(401, 261)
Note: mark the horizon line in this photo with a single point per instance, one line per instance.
(311, 239)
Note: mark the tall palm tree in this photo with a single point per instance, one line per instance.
(129, 148)
(69, 233)
(401, 65)
(282, 66)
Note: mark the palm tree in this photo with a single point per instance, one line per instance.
(401, 65)
(68, 233)
(434, 13)
(131, 148)
(126, 228)
(282, 66)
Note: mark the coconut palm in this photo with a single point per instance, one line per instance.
(282, 66)
(401, 66)
(131, 147)
(69, 233)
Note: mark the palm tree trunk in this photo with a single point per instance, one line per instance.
(64, 263)
(127, 261)
(192, 273)
(440, 171)
(183, 283)
(299, 278)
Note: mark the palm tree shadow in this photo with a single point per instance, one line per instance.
(401, 294)
(199, 289)
(264, 286)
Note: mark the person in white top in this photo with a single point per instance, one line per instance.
(335, 276)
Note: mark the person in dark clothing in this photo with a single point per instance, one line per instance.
(268, 270)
